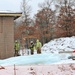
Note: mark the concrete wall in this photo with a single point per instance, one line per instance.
(6, 37)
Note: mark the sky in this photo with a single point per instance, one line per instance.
(15, 5)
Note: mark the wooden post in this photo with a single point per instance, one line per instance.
(14, 70)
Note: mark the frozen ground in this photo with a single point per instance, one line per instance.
(52, 69)
(50, 62)
(37, 59)
(50, 54)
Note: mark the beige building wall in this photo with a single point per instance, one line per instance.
(6, 37)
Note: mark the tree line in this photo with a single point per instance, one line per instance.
(54, 19)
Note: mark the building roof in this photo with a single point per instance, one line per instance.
(10, 14)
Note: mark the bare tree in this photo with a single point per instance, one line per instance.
(46, 3)
(26, 9)
(26, 20)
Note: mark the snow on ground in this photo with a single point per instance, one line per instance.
(60, 44)
(52, 69)
(50, 62)
(49, 54)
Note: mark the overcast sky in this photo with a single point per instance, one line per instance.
(15, 5)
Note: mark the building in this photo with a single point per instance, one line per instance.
(7, 33)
